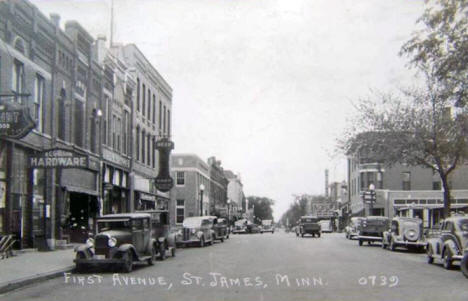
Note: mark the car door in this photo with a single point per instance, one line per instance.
(138, 235)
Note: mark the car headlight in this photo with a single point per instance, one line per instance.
(112, 242)
(192, 231)
(179, 232)
(90, 242)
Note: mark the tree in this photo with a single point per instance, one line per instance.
(297, 209)
(441, 47)
(262, 207)
(415, 127)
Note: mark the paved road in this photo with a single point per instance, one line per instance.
(267, 267)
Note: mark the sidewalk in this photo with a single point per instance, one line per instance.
(32, 266)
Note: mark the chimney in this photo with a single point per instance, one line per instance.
(55, 18)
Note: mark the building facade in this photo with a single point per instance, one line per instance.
(191, 193)
(218, 188)
(235, 194)
(403, 190)
(107, 106)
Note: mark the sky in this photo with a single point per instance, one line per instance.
(265, 86)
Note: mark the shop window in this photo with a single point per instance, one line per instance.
(180, 178)
(180, 211)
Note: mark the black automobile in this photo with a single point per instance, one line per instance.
(122, 239)
(308, 225)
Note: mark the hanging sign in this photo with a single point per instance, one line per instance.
(15, 120)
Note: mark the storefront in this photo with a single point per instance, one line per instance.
(116, 190)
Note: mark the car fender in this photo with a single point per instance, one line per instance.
(200, 234)
(84, 249)
(433, 244)
(125, 248)
(452, 246)
(161, 241)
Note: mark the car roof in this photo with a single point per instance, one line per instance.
(125, 215)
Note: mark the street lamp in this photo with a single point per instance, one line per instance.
(202, 188)
(372, 198)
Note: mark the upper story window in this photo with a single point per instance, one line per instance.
(17, 83)
(138, 94)
(143, 104)
(143, 147)
(39, 102)
(168, 122)
(137, 147)
(154, 109)
(406, 180)
(180, 178)
(149, 104)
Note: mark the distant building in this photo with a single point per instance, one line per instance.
(235, 193)
(403, 190)
(218, 188)
(192, 183)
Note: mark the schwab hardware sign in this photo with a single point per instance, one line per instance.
(15, 120)
(61, 158)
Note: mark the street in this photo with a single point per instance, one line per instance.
(277, 266)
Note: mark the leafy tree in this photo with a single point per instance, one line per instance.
(297, 209)
(415, 127)
(440, 48)
(262, 207)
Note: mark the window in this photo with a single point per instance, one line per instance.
(180, 211)
(143, 149)
(168, 122)
(17, 83)
(154, 152)
(62, 114)
(160, 115)
(154, 109)
(114, 124)
(436, 185)
(406, 180)
(118, 133)
(164, 121)
(79, 122)
(105, 116)
(148, 150)
(137, 147)
(138, 94)
(125, 134)
(39, 102)
(149, 104)
(143, 105)
(180, 178)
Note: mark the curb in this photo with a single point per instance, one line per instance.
(19, 283)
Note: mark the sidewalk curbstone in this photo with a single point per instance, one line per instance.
(19, 283)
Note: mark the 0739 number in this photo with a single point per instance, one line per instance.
(382, 281)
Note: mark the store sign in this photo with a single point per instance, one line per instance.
(164, 184)
(163, 181)
(15, 120)
(59, 158)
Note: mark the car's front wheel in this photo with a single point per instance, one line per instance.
(447, 260)
(464, 265)
(153, 256)
(162, 251)
(430, 253)
(128, 261)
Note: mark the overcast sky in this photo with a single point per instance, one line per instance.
(263, 85)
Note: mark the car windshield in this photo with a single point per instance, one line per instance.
(113, 225)
(266, 222)
(463, 225)
(192, 222)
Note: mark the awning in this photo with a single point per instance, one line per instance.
(80, 190)
(438, 206)
(146, 196)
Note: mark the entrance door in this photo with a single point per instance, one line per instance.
(79, 217)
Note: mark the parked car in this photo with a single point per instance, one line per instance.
(253, 228)
(196, 230)
(351, 230)
(308, 225)
(326, 226)
(240, 226)
(220, 227)
(464, 264)
(121, 240)
(371, 229)
(451, 244)
(268, 226)
(161, 231)
(404, 232)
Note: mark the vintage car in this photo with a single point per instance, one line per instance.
(121, 240)
(326, 226)
(240, 226)
(196, 230)
(253, 228)
(371, 229)
(308, 225)
(451, 244)
(351, 230)
(161, 231)
(267, 226)
(404, 232)
(220, 227)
